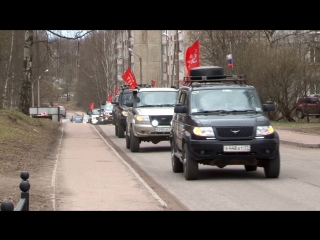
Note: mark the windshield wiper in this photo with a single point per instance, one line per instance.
(213, 111)
(244, 111)
(147, 106)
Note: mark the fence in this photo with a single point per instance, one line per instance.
(23, 204)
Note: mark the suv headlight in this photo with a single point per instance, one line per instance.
(124, 113)
(142, 119)
(264, 130)
(203, 131)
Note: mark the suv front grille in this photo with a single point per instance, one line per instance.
(235, 132)
(163, 119)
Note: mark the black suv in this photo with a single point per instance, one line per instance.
(120, 109)
(219, 120)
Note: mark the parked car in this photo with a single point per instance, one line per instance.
(309, 105)
(76, 119)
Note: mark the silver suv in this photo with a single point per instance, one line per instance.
(149, 116)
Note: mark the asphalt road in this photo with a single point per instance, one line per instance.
(233, 188)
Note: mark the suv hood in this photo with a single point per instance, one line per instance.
(155, 110)
(231, 120)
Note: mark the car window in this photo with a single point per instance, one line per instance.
(95, 111)
(126, 98)
(157, 98)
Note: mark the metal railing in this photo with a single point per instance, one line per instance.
(23, 204)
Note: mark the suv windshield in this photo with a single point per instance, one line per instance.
(126, 98)
(225, 100)
(165, 98)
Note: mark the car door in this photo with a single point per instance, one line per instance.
(312, 105)
(179, 119)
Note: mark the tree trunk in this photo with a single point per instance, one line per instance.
(5, 104)
(25, 94)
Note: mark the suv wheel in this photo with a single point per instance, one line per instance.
(177, 166)
(272, 167)
(190, 167)
(120, 131)
(299, 114)
(250, 167)
(127, 140)
(116, 130)
(134, 142)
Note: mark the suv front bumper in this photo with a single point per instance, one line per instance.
(145, 130)
(204, 150)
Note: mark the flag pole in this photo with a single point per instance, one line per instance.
(232, 69)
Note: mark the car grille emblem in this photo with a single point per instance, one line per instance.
(235, 131)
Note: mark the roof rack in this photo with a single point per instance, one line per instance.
(238, 79)
(124, 87)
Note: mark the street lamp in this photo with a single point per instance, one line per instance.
(173, 52)
(38, 90)
(140, 64)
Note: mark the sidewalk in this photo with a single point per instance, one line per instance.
(91, 176)
(299, 139)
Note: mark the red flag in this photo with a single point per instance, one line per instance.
(129, 78)
(153, 83)
(110, 98)
(193, 56)
(116, 92)
(91, 105)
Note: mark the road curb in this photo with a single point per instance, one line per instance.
(298, 144)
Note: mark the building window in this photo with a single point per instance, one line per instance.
(165, 66)
(164, 49)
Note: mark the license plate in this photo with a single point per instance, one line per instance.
(236, 148)
(163, 129)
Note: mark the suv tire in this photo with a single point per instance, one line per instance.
(177, 166)
(127, 141)
(272, 167)
(134, 142)
(190, 167)
(300, 114)
(120, 131)
(116, 130)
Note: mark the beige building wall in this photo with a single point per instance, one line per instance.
(155, 48)
(147, 46)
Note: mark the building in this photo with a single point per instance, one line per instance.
(156, 55)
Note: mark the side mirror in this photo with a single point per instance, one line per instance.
(179, 108)
(269, 106)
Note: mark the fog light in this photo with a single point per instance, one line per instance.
(154, 123)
